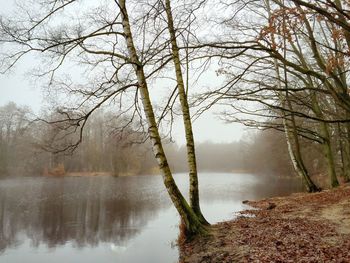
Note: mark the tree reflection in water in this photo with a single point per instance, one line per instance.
(83, 211)
(132, 216)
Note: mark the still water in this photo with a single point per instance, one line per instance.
(112, 219)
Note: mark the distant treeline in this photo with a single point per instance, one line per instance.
(37, 147)
(27, 147)
(262, 152)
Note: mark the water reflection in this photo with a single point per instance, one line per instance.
(84, 211)
(130, 215)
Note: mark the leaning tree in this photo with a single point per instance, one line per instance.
(93, 53)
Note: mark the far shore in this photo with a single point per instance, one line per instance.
(87, 174)
(80, 174)
(61, 173)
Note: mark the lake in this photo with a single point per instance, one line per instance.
(113, 219)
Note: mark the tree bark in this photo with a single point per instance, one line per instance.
(327, 146)
(347, 152)
(190, 145)
(192, 223)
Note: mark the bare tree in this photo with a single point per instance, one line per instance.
(191, 155)
(307, 49)
(118, 65)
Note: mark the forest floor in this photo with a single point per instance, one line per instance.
(298, 228)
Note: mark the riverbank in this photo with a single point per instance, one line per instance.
(298, 228)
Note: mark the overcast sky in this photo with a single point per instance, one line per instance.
(17, 87)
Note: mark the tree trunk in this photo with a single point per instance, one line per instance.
(188, 217)
(347, 152)
(341, 151)
(292, 135)
(190, 146)
(297, 159)
(327, 147)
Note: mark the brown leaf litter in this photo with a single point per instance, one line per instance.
(298, 228)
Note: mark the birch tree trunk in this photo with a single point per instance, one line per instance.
(292, 134)
(190, 146)
(324, 129)
(296, 157)
(191, 221)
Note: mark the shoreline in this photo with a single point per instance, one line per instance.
(94, 174)
(301, 227)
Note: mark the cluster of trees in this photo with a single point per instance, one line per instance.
(15, 137)
(291, 68)
(284, 65)
(29, 146)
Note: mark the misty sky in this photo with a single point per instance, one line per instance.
(17, 86)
